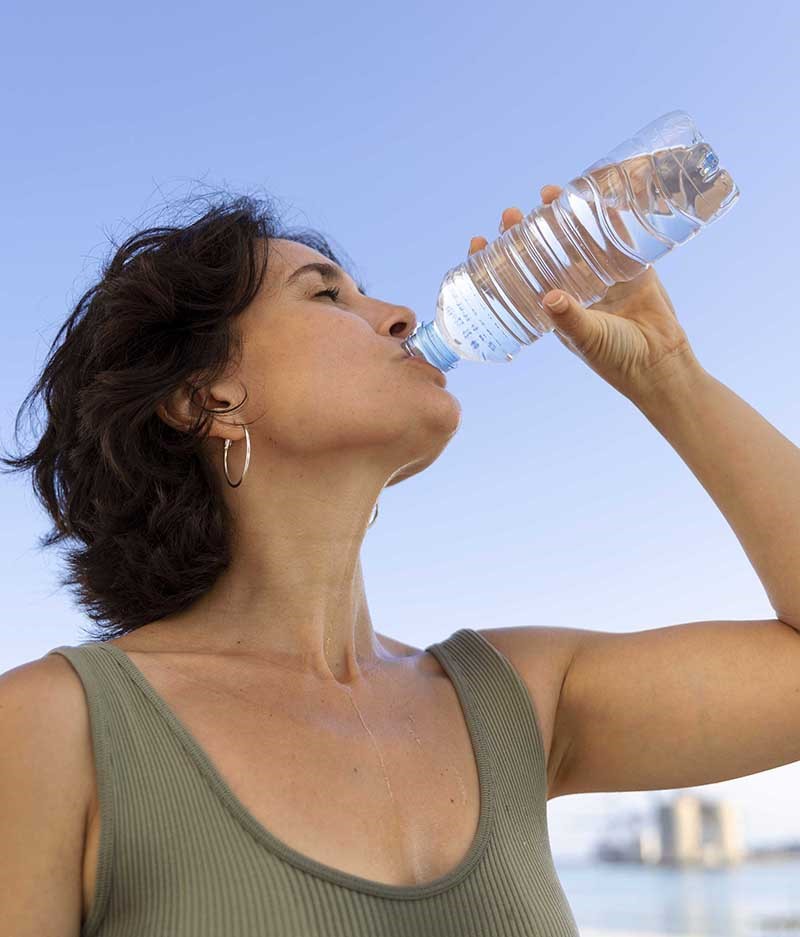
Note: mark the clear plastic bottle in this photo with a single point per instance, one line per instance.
(609, 224)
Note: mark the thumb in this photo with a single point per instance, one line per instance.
(570, 318)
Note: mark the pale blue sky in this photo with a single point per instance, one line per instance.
(400, 131)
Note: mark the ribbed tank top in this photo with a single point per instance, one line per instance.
(180, 855)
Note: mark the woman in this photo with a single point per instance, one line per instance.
(237, 751)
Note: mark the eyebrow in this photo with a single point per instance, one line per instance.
(329, 272)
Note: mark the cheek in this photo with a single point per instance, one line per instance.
(325, 382)
(314, 402)
(324, 347)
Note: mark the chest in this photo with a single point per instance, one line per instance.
(386, 790)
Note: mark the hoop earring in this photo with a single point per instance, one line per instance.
(246, 459)
(374, 516)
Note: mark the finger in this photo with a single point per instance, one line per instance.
(512, 216)
(477, 244)
(509, 218)
(580, 326)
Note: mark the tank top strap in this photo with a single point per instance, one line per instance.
(136, 731)
(164, 826)
(115, 701)
(508, 717)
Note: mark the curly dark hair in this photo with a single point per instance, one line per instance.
(151, 531)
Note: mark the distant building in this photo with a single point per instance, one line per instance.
(699, 832)
(687, 831)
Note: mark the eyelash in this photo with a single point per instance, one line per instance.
(333, 292)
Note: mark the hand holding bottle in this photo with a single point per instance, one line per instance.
(632, 338)
(596, 237)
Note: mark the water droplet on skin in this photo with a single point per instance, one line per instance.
(377, 748)
(412, 730)
(461, 785)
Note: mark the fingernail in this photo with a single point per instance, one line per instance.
(556, 301)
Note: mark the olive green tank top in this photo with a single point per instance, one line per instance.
(180, 855)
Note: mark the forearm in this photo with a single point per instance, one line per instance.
(750, 470)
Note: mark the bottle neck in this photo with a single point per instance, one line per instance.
(427, 342)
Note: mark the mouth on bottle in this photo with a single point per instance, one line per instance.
(426, 343)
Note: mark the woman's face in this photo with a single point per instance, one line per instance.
(326, 374)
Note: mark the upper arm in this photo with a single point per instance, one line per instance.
(46, 746)
(681, 706)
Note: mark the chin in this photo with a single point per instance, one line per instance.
(445, 413)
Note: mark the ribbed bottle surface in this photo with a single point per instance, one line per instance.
(608, 225)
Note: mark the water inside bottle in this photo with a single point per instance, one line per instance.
(607, 226)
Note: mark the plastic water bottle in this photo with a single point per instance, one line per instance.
(609, 224)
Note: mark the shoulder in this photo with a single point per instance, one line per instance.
(541, 656)
(50, 681)
(535, 647)
(45, 775)
(45, 718)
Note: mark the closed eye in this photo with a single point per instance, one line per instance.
(333, 292)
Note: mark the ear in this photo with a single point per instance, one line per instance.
(177, 410)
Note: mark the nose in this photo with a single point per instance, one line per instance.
(403, 322)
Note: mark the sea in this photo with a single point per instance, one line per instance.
(614, 899)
